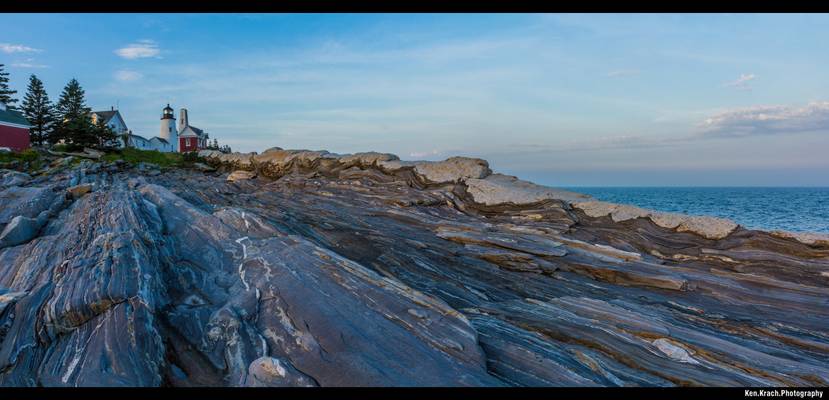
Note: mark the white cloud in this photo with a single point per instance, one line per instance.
(127, 75)
(742, 83)
(140, 49)
(17, 48)
(767, 120)
(28, 63)
(622, 73)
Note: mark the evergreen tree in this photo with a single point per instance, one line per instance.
(38, 110)
(74, 125)
(6, 93)
(103, 134)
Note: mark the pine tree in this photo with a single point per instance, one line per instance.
(103, 134)
(74, 125)
(6, 93)
(38, 110)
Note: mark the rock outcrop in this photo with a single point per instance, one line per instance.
(707, 227)
(364, 270)
(240, 176)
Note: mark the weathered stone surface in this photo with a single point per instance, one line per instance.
(13, 178)
(503, 189)
(203, 167)
(368, 158)
(666, 220)
(596, 209)
(342, 271)
(453, 169)
(20, 230)
(27, 201)
(240, 176)
(273, 372)
(804, 237)
(79, 190)
(707, 227)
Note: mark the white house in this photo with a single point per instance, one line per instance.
(115, 121)
(111, 118)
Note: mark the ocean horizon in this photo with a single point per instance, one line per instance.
(789, 208)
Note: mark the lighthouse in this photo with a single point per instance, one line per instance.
(168, 128)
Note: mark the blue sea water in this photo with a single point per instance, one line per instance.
(766, 208)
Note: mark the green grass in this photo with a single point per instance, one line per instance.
(132, 156)
(166, 160)
(27, 156)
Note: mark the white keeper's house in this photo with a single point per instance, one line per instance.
(114, 120)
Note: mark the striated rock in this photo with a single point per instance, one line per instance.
(452, 170)
(504, 189)
(13, 178)
(273, 372)
(804, 237)
(667, 220)
(79, 190)
(28, 201)
(20, 230)
(367, 159)
(240, 176)
(707, 227)
(87, 153)
(233, 160)
(203, 167)
(673, 351)
(149, 169)
(355, 270)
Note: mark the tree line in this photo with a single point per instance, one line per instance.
(67, 122)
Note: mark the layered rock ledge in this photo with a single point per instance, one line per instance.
(317, 269)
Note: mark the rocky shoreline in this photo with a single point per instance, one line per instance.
(307, 268)
(482, 185)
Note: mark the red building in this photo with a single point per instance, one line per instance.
(190, 138)
(14, 129)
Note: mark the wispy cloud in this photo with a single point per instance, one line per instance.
(126, 75)
(140, 49)
(742, 83)
(768, 120)
(622, 73)
(17, 48)
(28, 63)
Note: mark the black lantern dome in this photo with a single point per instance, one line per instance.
(167, 113)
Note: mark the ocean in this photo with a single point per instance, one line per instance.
(803, 209)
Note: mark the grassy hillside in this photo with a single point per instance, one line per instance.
(29, 156)
(32, 160)
(167, 160)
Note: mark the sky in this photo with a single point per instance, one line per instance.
(558, 99)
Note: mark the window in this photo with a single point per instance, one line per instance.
(171, 129)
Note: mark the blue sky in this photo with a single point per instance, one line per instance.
(561, 99)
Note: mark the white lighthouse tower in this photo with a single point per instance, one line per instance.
(168, 128)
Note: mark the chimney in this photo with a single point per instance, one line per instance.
(112, 108)
(183, 122)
